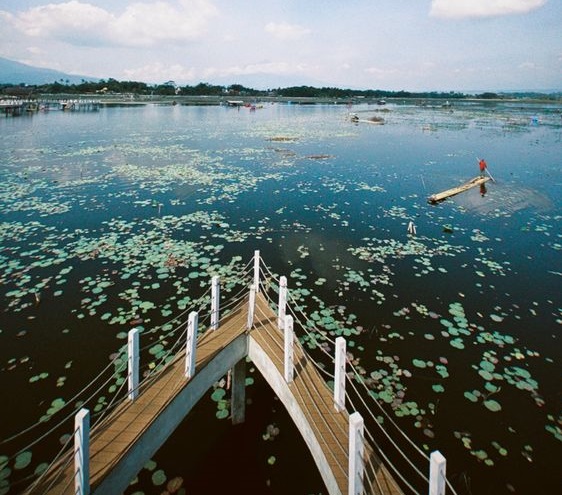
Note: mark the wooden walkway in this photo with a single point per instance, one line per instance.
(118, 433)
(316, 400)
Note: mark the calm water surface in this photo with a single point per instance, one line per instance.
(122, 215)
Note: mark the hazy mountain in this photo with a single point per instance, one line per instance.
(15, 73)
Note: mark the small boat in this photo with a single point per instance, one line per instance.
(477, 181)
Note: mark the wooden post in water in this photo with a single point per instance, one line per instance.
(82, 452)
(282, 306)
(437, 469)
(191, 344)
(356, 463)
(257, 270)
(238, 399)
(339, 375)
(289, 354)
(251, 307)
(215, 302)
(133, 363)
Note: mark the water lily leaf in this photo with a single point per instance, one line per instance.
(23, 460)
(158, 477)
(218, 394)
(492, 405)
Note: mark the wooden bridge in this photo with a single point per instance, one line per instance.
(104, 460)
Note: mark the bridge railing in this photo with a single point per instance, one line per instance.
(383, 435)
(123, 385)
(123, 377)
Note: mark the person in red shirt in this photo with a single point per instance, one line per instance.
(482, 164)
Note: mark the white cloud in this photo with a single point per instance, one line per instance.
(36, 50)
(457, 9)
(148, 23)
(158, 72)
(140, 24)
(528, 66)
(378, 72)
(261, 68)
(285, 31)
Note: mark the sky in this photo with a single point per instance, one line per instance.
(413, 45)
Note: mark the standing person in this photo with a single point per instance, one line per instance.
(483, 165)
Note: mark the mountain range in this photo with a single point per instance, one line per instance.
(16, 73)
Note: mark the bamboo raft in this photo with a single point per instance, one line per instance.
(477, 181)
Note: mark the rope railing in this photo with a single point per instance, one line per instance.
(174, 351)
(389, 464)
(304, 326)
(62, 451)
(62, 421)
(115, 401)
(383, 431)
(234, 300)
(307, 325)
(78, 395)
(118, 364)
(305, 353)
(67, 403)
(311, 396)
(195, 304)
(383, 410)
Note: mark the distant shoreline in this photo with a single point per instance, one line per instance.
(211, 100)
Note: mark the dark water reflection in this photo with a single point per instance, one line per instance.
(95, 205)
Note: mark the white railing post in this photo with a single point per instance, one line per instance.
(191, 344)
(215, 302)
(251, 307)
(133, 363)
(288, 355)
(437, 468)
(356, 463)
(339, 375)
(82, 452)
(257, 270)
(282, 307)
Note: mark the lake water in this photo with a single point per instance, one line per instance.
(122, 216)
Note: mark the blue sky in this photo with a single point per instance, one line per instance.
(444, 45)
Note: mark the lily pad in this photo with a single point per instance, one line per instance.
(492, 405)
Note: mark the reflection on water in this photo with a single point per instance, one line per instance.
(499, 200)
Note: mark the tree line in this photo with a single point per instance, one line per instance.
(112, 86)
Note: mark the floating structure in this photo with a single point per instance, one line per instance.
(335, 424)
(477, 181)
(11, 107)
(15, 107)
(353, 117)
